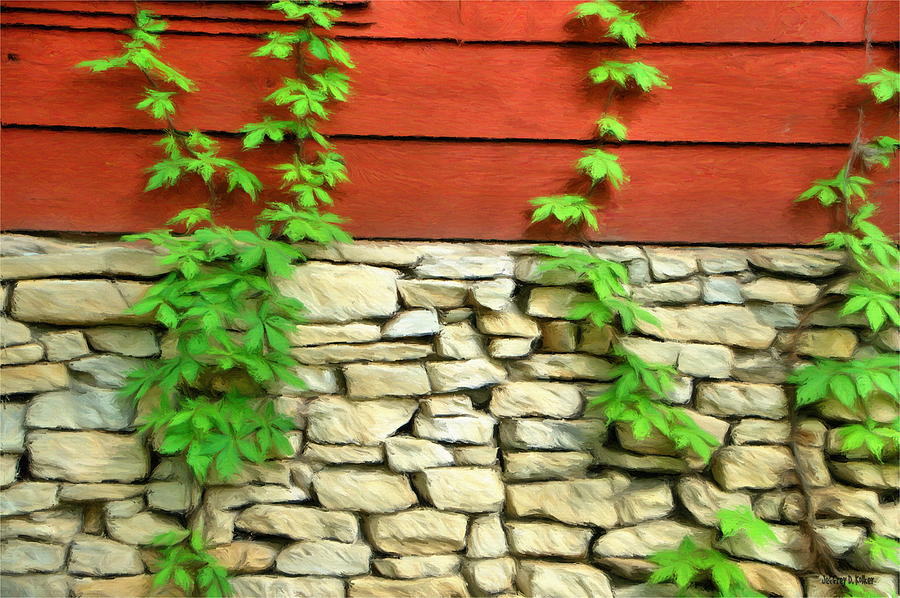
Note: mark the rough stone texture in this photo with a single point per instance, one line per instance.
(9, 466)
(43, 586)
(360, 489)
(299, 523)
(554, 302)
(97, 301)
(457, 375)
(324, 557)
(551, 434)
(372, 380)
(667, 292)
(433, 293)
(722, 289)
(96, 409)
(495, 295)
(459, 341)
(832, 342)
(23, 556)
(666, 264)
(342, 353)
(414, 567)
(546, 580)
(735, 398)
(342, 293)
(87, 456)
(507, 323)
(25, 497)
(547, 399)
(246, 556)
(564, 366)
(775, 290)
(704, 499)
(798, 262)
(13, 333)
(97, 557)
(725, 324)
(537, 539)
(490, 576)
(323, 334)
(647, 538)
(36, 377)
(336, 420)
(759, 467)
(438, 587)
(761, 431)
(486, 538)
(546, 466)
(293, 587)
(21, 354)
(407, 454)
(417, 322)
(141, 528)
(65, 345)
(705, 361)
(467, 489)
(417, 532)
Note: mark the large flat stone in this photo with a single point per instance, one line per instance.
(564, 366)
(344, 353)
(418, 532)
(26, 497)
(35, 377)
(549, 434)
(324, 557)
(13, 333)
(87, 456)
(547, 399)
(284, 587)
(97, 557)
(742, 399)
(26, 256)
(433, 293)
(299, 523)
(448, 376)
(796, 261)
(467, 489)
(98, 301)
(372, 380)
(540, 579)
(323, 334)
(721, 324)
(336, 420)
(362, 489)
(538, 538)
(342, 293)
(95, 409)
(23, 556)
(648, 538)
(755, 467)
(433, 587)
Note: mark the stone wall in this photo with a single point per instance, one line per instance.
(443, 446)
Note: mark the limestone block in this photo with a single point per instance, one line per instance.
(98, 301)
(417, 532)
(363, 489)
(372, 380)
(299, 523)
(342, 293)
(467, 489)
(87, 456)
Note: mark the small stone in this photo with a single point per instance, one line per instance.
(232, 497)
(679, 292)
(38, 257)
(704, 499)
(559, 336)
(534, 466)
(107, 371)
(564, 366)
(812, 466)
(98, 301)
(666, 264)
(719, 324)
(454, 316)
(442, 294)
(174, 497)
(509, 348)
(722, 289)
(338, 454)
(37, 377)
(527, 270)
(282, 587)
(490, 576)
(342, 293)
(647, 463)
(705, 361)
(343, 353)
(87, 456)
(775, 290)
(417, 322)
(761, 431)
(124, 508)
(446, 405)
(771, 580)
(65, 345)
(359, 489)
(755, 467)
(406, 454)
(95, 409)
(486, 538)
(548, 434)
(21, 354)
(380, 253)
(12, 427)
(97, 492)
(460, 262)
(649, 538)
(414, 567)
(97, 557)
(459, 341)
(812, 263)
(537, 539)
(467, 489)
(737, 398)
(377, 587)
(537, 578)
(554, 302)
(299, 523)
(335, 420)
(548, 399)
(9, 468)
(596, 340)
(831, 342)
(134, 342)
(661, 352)
(495, 295)
(843, 501)
(456, 375)
(719, 260)
(26, 497)
(317, 381)
(372, 380)
(507, 323)
(777, 315)
(322, 334)
(811, 432)
(760, 367)
(44, 586)
(245, 556)
(830, 316)
(475, 455)
(142, 528)
(324, 557)
(476, 428)
(871, 475)
(22, 556)
(13, 333)
(417, 532)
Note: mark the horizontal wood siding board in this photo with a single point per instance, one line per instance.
(92, 181)
(777, 94)
(693, 21)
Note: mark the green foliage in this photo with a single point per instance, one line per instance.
(625, 28)
(854, 590)
(610, 126)
(605, 9)
(185, 562)
(621, 73)
(600, 165)
(882, 548)
(842, 186)
(688, 564)
(876, 438)
(571, 210)
(847, 381)
(880, 150)
(742, 520)
(885, 84)
(158, 103)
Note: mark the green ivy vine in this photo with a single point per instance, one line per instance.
(228, 323)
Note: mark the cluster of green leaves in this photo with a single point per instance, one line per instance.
(742, 520)
(623, 73)
(621, 24)
(185, 561)
(185, 151)
(636, 395)
(306, 97)
(689, 564)
(874, 292)
(225, 315)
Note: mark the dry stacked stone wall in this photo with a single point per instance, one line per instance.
(443, 447)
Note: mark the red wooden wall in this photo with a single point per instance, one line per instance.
(462, 111)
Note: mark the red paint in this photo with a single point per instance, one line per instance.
(420, 189)
(731, 94)
(694, 21)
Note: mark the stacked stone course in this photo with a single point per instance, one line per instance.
(444, 447)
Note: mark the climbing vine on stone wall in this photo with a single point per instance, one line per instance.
(228, 323)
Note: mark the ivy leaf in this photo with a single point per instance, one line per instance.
(605, 9)
(191, 217)
(600, 165)
(625, 27)
(165, 173)
(743, 520)
(885, 84)
(882, 548)
(611, 126)
(238, 176)
(571, 210)
(643, 75)
(255, 133)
